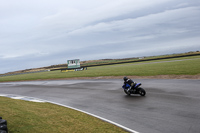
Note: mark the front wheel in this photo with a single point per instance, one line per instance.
(142, 92)
(127, 93)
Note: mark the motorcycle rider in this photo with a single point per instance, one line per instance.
(130, 82)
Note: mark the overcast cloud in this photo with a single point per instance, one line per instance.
(47, 32)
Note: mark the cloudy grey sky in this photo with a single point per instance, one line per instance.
(47, 32)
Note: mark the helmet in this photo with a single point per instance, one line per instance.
(125, 78)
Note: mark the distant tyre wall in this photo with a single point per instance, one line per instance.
(3, 126)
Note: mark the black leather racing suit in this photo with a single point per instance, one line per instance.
(130, 82)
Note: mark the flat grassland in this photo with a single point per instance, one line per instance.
(189, 66)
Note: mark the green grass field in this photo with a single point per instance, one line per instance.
(31, 117)
(136, 59)
(188, 66)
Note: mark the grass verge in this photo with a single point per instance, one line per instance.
(147, 68)
(30, 117)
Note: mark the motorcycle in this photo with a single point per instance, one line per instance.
(136, 89)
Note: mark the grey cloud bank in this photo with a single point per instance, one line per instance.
(47, 32)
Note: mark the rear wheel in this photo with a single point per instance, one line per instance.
(142, 92)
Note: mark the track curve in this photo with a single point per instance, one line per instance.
(169, 106)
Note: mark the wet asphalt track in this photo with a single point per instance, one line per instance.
(170, 106)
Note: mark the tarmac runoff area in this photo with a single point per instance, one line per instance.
(171, 105)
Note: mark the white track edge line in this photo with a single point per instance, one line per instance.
(109, 121)
(104, 119)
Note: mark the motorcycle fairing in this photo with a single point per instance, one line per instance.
(137, 85)
(125, 86)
